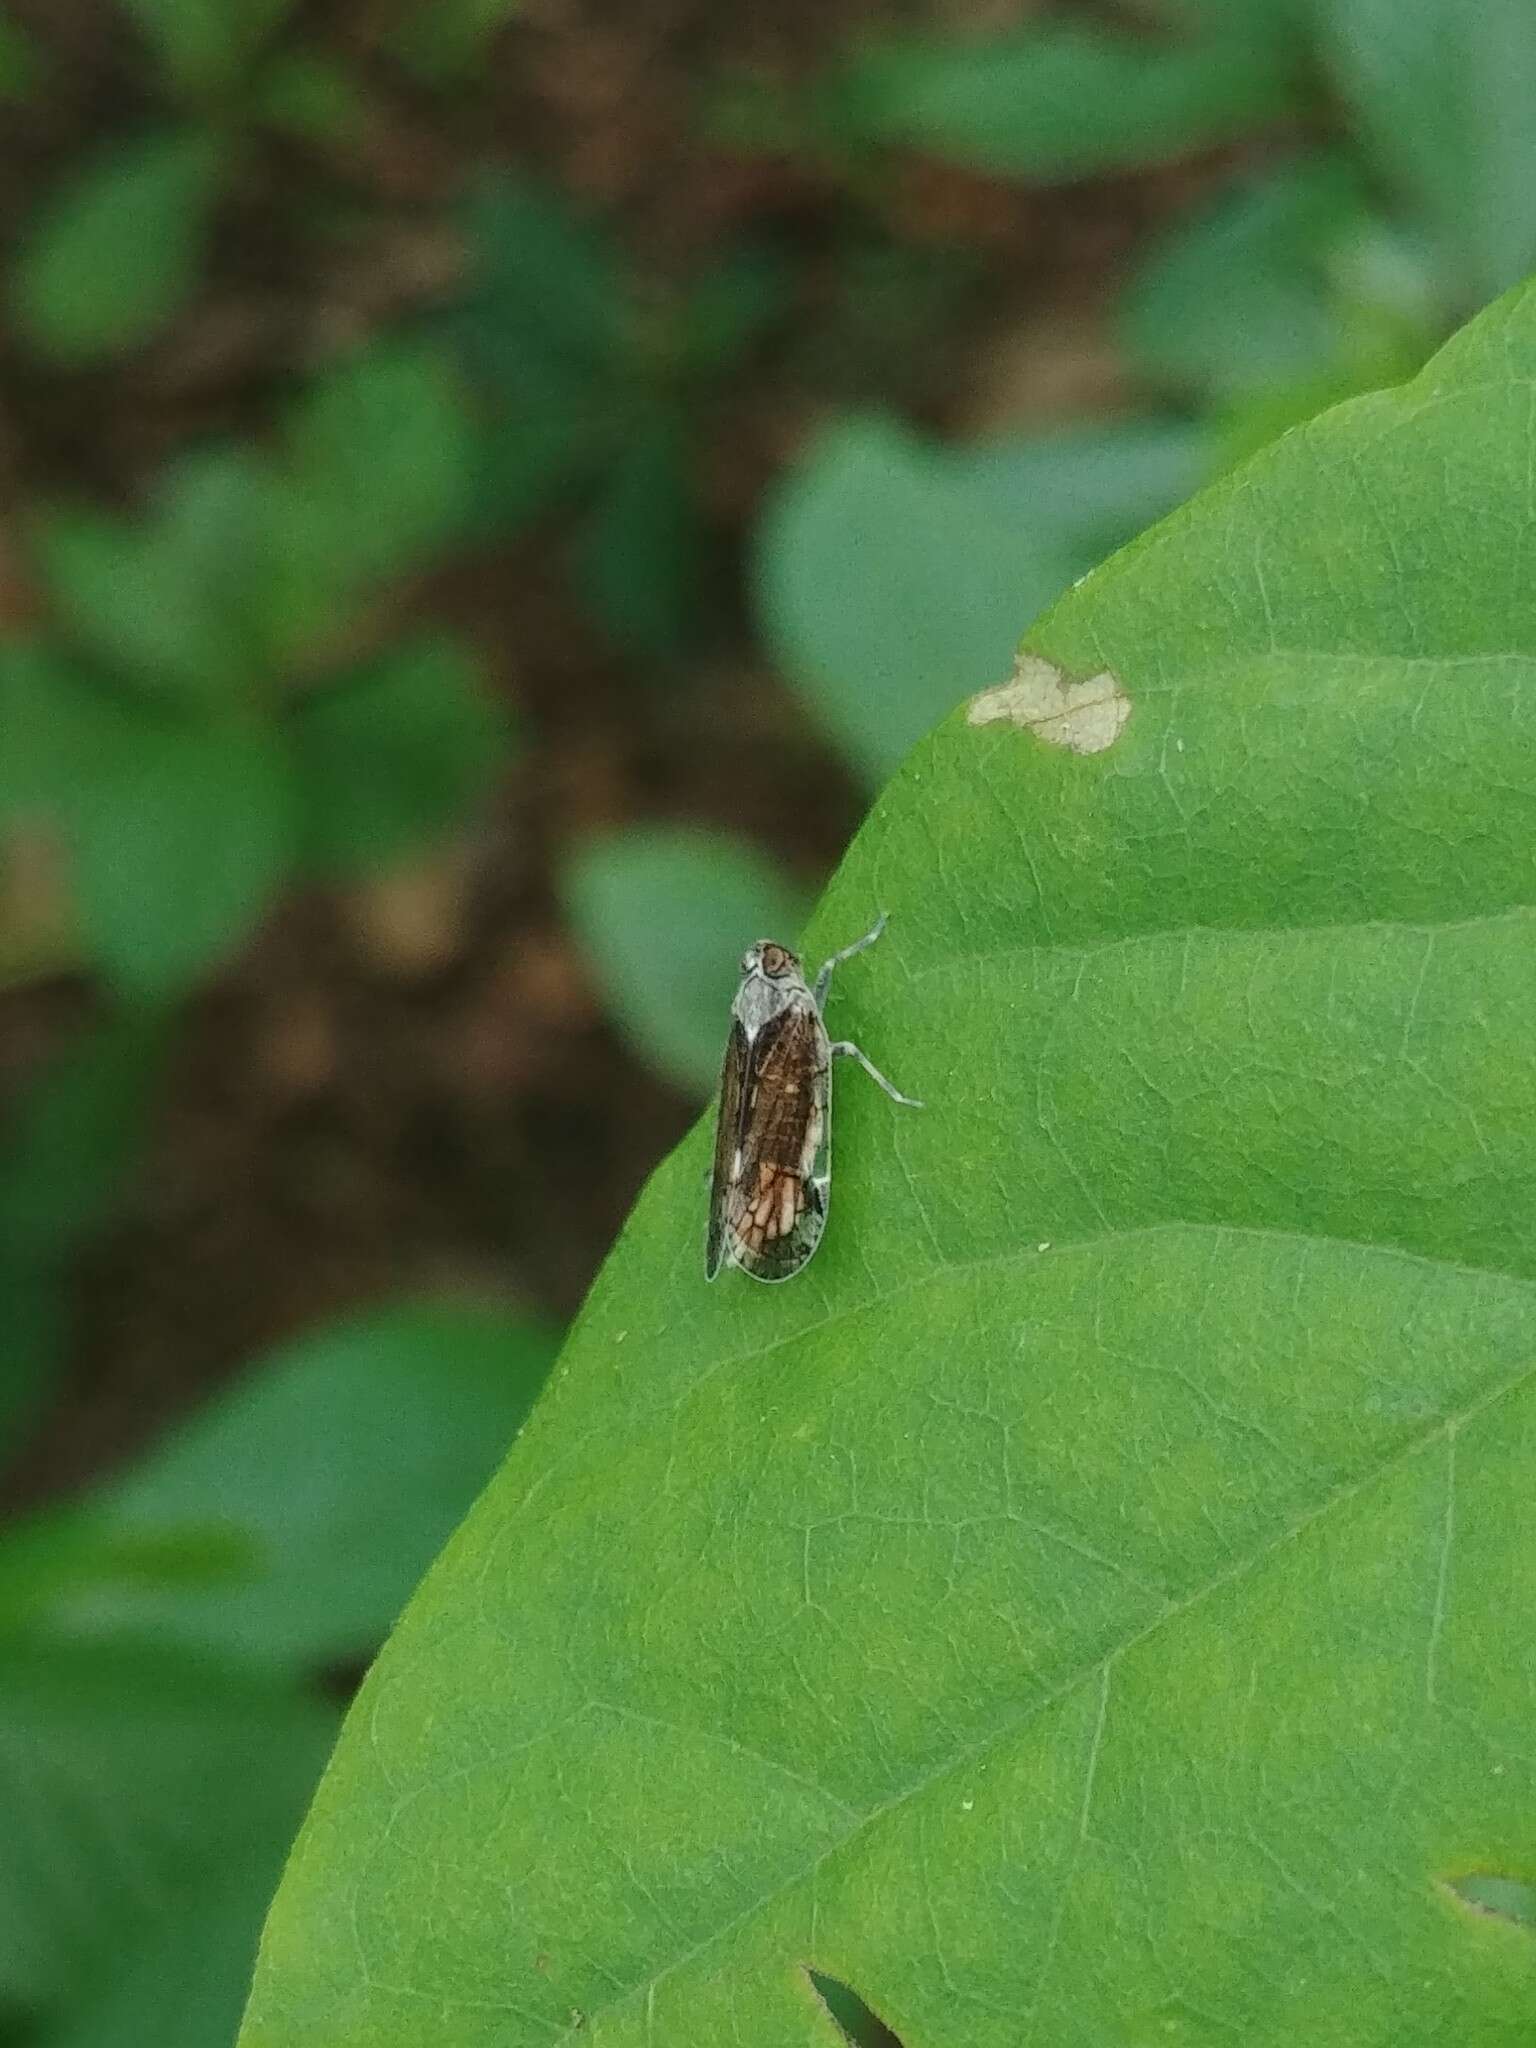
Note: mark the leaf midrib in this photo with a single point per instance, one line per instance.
(1097, 1667)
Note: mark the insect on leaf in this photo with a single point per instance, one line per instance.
(1092, 1605)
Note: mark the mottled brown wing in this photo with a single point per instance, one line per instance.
(729, 1115)
(775, 1208)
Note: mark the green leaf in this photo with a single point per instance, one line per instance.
(206, 45)
(49, 712)
(31, 1347)
(136, 1785)
(1276, 21)
(204, 1950)
(1058, 100)
(1088, 1605)
(548, 286)
(413, 1405)
(314, 97)
(47, 1561)
(180, 831)
(892, 575)
(191, 600)
(726, 309)
(64, 1147)
(19, 63)
(664, 915)
(441, 42)
(70, 1138)
(115, 249)
(543, 335)
(381, 447)
(1444, 92)
(1242, 297)
(393, 756)
(639, 552)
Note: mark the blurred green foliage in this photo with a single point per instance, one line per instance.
(1058, 99)
(19, 66)
(161, 1642)
(119, 245)
(190, 729)
(223, 701)
(591, 389)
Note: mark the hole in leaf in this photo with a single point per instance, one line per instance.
(862, 2027)
(1506, 1898)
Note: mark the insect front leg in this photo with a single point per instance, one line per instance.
(846, 1049)
(824, 979)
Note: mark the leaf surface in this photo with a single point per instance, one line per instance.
(1090, 1606)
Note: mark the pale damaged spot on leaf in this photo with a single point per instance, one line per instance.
(1085, 716)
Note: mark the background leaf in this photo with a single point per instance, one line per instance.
(639, 553)
(1445, 96)
(392, 754)
(171, 601)
(665, 915)
(414, 1404)
(116, 249)
(381, 447)
(1110, 1531)
(178, 834)
(134, 1782)
(542, 336)
(70, 1137)
(19, 64)
(892, 575)
(316, 98)
(442, 42)
(1058, 100)
(1242, 298)
(205, 45)
(66, 1144)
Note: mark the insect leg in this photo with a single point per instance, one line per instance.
(846, 1049)
(824, 979)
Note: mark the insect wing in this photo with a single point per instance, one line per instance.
(775, 1208)
(729, 1118)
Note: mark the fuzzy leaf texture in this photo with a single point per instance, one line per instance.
(1091, 1605)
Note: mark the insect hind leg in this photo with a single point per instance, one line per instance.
(846, 1049)
(824, 979)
